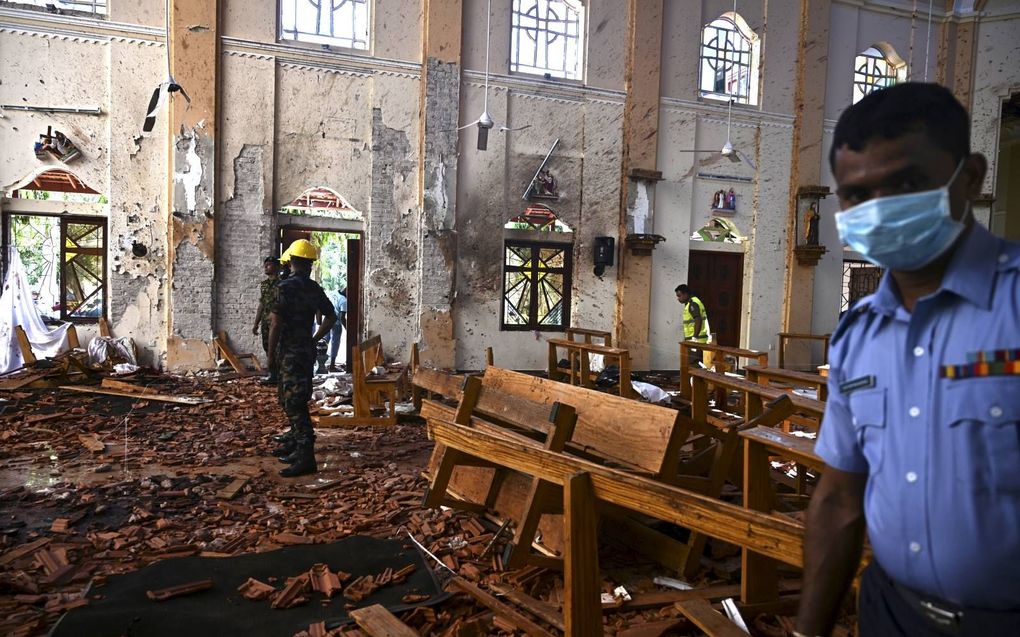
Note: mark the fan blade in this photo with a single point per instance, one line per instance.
(483, 138)
(505, 129)
(695, 150)
(733, 156)
(746, 160)
(155, 104)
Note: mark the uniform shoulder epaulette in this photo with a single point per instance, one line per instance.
(856, 309)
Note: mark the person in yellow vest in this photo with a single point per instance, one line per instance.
(695, 319)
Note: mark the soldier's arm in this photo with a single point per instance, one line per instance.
(258, 317)
(325, 309)
(274, 338)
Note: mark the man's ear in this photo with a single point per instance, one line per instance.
(974, 169)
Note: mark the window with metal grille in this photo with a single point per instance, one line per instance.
(547, 38)
(65, 263)
(729, 60)
(860, 279)
(89, 6)
(875, 69)
(341, 23)
(536, 286)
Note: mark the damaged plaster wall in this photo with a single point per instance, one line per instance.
(112, 69)
(438, 240)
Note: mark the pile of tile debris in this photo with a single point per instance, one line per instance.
(94, 485)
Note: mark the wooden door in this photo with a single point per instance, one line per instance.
(353, 294)
(717, 278)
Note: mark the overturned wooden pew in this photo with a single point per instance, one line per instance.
(584, 484)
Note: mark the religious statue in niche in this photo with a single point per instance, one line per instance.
(56, 144)
(545, 185)
(811, 218)
(724, 201)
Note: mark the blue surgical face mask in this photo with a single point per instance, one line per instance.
(902, 232)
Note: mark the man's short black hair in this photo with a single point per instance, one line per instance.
(682, 288)
(905, 108)
(270, 260)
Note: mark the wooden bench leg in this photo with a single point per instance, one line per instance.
(543, 497)
(726, 456)
(759, 581)
(582, 612)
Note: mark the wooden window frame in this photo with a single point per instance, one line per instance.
(567, 272)
(66, 220)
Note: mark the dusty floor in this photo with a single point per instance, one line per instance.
(157, 491)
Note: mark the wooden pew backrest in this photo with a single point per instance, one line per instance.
(635, 434)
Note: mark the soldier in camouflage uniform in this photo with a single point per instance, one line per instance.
(267, 295)
(292, 317)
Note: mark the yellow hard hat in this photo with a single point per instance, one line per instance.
(304, 249)
(285, 257)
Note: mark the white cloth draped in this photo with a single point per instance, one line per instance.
(18, 308)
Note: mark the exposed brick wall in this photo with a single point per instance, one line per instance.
(192, 290)
(243, 239)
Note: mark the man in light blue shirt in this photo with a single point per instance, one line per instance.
(921, 434)
(340, 305)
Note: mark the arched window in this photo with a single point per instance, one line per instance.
(877, 67)
(322, 201)
(729, 60)
(547, 38)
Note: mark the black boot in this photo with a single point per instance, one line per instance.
(304, 464)
(284, 437)
(287, 448)
(291, 457)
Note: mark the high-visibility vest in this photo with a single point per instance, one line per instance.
(689, 321)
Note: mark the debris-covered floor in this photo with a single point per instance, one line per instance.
(94, 485)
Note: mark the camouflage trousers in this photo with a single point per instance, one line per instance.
(264, 330)
(294, 390)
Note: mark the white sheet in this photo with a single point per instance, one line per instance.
(17, 308)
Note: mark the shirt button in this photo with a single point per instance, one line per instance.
(995, 411)
(911, 477)
(915, 547)
(914, 412)
(918, 351)
(1003, 258)
(854, 420)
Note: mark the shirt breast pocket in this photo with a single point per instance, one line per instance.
(984, 416)
(867, 410)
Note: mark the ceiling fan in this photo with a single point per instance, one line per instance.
(727, 151)
(165, 88)
(485, 122)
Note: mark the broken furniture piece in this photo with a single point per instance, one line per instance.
(371, 389)
(237, 361)
(788, 378)
(786, 337)
(641, 438)
(719, 355)
(432, 383)
(579, 356)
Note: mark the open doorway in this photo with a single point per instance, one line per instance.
(338, 271)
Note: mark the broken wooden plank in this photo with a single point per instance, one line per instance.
(543, 610)
(379, 622)
(110, 383)
(517, 619)
(163, 398)
(228, 353)
(706, 618)
(230, 491)
(180, 590)
(92, 443)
